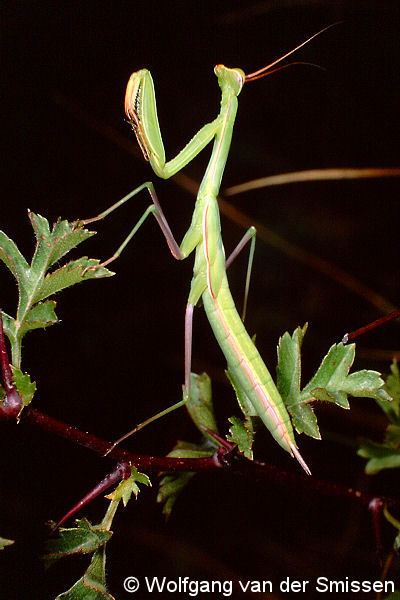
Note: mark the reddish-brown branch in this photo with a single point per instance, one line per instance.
(90, 441)
(221, 460)
(348, 337)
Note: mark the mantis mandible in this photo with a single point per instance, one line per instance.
(209, 282)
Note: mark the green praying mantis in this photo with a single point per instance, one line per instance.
(209, 282)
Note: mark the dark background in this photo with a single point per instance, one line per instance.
(117, 356)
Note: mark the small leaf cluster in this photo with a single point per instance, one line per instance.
(40, 279)
(86, 538)
(386, 455)
(332, 382)
(200, 408)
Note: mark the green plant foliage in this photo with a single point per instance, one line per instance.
(392, 387)
(382, 456)
(26, 388)
(289, 382)
(129, 486)
(331, 383)
(92, 585)
(85, 538)
(35, 280)
(4, 542)
(386, 455)
(171, 484)
(199, 404)
(241, 433)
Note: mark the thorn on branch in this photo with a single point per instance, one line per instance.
(121, 471)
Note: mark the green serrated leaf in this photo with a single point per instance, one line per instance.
(392, 387)
(366, 384)
(381, 456)
(127, 487)
(8, 325)
(4, 542)
(172, 484)
(53, 245)
(40, 316)
(241, 434)
(34, 281)
(393, 382)
(83, 539)
(289, 382)
(333, 384)
(25, 386)
(170, 487)
(332, 371)
(337, 397)
(70, 274)
(92, 585)
(13, 259)
(199, 404)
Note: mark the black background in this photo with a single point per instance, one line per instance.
(117, 356)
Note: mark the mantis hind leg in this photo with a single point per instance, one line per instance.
(199, 284)
(249, 236)
(154, 208)
(188, 348)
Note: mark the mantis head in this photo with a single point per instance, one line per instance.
(232, 78)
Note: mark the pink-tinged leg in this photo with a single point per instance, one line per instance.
(188, 345)
(249, 235)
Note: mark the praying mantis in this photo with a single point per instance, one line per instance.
(209, 283)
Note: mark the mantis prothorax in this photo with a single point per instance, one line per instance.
(209, 281)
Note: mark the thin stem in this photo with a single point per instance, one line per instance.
(110, 514)
(16, 352)
(332, 174)
(377, 323)
(220, 460)
(144, 423)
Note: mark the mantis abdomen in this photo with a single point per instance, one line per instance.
(250, 371)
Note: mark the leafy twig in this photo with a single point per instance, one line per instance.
(218, 461)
